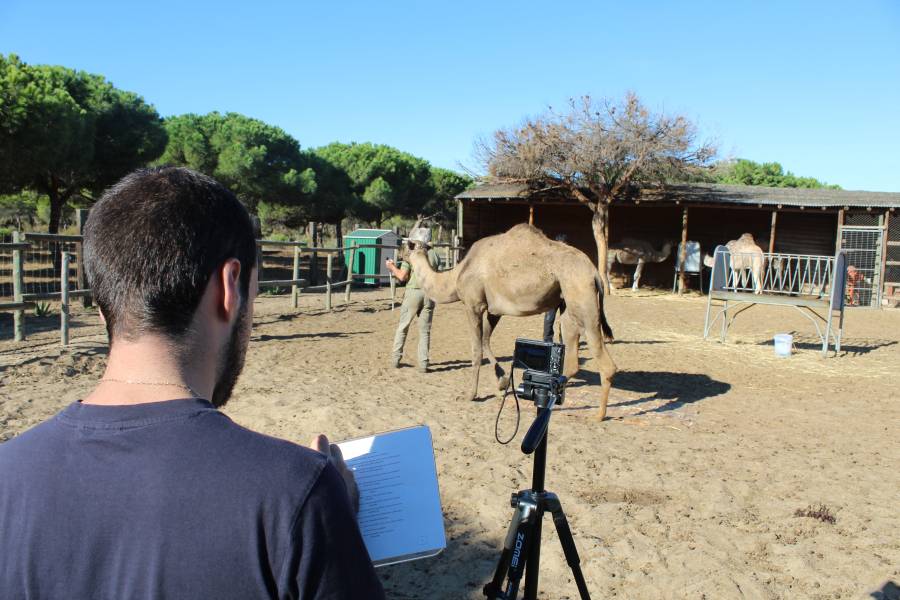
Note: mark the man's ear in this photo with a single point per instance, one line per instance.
(230, 281)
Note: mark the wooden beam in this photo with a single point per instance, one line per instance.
(884, 250)
(18, 275)
(531, 214)
(772, 232)
(683, 251)
(840, 224)
(64, 300)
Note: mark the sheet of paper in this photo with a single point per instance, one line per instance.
(400, 513)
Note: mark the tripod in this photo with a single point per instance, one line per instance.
(522, 548)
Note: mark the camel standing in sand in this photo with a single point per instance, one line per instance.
(744, 254)
(635, 252)
(521, 273)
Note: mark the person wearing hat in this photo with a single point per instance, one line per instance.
(415, 302)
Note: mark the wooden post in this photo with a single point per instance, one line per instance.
(295, 275)
(393, 281)
(64, 299)
(682, 254)
(350, 275)
(18, 274)
(457, 242)
(314, 268)
(840, 225)
(772, 232)
(452, 248)
(329, 262)
(81, 216)
(259, 266)
(884, 250)
(257, 232)
(531, 214)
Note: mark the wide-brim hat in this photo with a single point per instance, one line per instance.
(421, 235)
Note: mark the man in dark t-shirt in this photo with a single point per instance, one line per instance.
(144, 489)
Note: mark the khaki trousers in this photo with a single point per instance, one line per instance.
(415, 304)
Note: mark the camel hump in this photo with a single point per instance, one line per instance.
(525, 229)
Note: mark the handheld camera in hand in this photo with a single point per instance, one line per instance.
(543, 384)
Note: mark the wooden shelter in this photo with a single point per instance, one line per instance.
(790, 220)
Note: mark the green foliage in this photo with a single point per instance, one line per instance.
(771, 174)
(21, 208)
(383, 179)
(446, 185)
(259, 162)
(67, 132)
(42, 309)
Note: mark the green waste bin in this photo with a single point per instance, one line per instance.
(370, 261)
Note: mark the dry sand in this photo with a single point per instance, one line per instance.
(688, 490)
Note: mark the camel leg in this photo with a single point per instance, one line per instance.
(637, 274)
(568, 329)
(605, 365)
(609, 265)
(489, 326)
(475, 325)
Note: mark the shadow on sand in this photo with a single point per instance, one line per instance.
(855, 347)
(676, 389)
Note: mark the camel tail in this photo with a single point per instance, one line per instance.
(604, 324)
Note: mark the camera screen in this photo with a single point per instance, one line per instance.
(532, 357)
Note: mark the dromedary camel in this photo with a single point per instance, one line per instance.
(745, 255)
(635, 252)
(521, 273)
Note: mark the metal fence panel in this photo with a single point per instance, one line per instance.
(863, 245)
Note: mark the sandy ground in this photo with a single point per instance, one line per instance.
(688, 490)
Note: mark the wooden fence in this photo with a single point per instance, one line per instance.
(38, 267)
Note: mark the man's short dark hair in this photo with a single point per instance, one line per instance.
(153, 241)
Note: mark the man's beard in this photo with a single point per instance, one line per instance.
(231, 361)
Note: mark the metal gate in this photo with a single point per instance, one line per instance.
(863, 245)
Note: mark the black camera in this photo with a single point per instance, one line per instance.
(542, 379)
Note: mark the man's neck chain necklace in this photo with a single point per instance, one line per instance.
(158, 383)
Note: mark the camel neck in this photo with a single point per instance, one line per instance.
(440, 286)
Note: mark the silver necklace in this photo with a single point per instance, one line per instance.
(159, 383)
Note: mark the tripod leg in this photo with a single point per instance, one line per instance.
(515, 551)
(568, 544)
(533, 566)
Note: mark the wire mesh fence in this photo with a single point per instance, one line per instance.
(892, 260)
(43, 265)
(6, 258)
(863, 246)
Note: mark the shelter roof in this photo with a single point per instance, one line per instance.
(370, 233)
(704, 193)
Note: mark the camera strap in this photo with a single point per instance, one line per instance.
(510, 387)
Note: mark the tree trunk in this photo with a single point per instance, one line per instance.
(600, 227)
(56, 205)
(338, 234)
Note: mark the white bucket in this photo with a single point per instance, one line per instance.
(783, 344)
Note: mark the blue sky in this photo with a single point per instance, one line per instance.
(813, 85)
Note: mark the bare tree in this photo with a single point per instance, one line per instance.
(596, 152)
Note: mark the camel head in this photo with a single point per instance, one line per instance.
(708, 260)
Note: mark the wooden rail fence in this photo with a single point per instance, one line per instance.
(40, 269)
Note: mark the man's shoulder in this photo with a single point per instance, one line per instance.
(22, 446)
(252, 451)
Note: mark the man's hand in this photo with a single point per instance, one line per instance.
(389, 262)
(333, 452)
